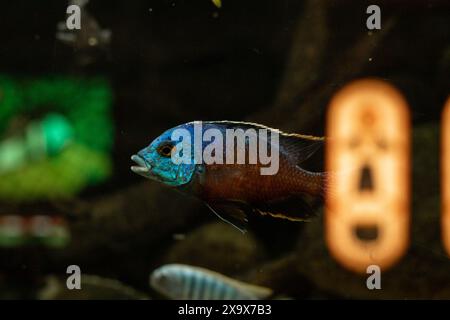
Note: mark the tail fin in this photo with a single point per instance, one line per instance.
(330, 178)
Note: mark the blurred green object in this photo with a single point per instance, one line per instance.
(59, 177)
(12, 155)
(57, 133)
(12, 233)
(59, 238)
(50, 232)
(45, 138)
(15, 230)
(47, 145)
(217, 3)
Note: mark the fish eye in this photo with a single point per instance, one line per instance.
(165, 149)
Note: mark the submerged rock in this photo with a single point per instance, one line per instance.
(219, 247)
(92, 287)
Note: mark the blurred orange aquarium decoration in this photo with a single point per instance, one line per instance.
(445, 179)
(48, 146)
(367, 211)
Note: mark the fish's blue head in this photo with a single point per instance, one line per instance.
(156, 161)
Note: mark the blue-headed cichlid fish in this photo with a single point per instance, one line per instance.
(235, 191)
(184, 282)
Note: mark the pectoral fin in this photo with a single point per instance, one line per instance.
(294, 208)
(231, 213)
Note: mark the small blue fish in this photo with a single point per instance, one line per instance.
(184, 282)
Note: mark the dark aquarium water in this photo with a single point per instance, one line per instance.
(360, 214)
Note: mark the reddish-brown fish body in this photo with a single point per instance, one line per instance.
(244, 182)
(233, 191)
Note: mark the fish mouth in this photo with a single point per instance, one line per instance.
(142, 168)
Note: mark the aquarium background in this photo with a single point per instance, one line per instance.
(168, 62)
